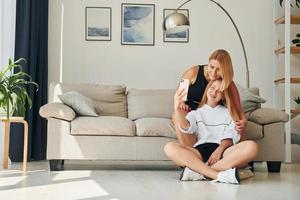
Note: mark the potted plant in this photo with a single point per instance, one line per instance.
(297, 100)
(297, 2)
(13, 94)
(296, 41)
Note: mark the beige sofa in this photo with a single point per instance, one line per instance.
(135, 125)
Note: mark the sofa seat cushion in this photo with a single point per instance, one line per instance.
(155, 127)
(254, 131)
(103, 125)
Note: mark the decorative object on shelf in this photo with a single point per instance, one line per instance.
(13, 94)
(98, 24)
(297, 3)
(297, 100)
(177, 22)
(137, 26)
(182, 36)
(296, 41)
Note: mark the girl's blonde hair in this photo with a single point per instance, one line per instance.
(228, 100)
(226, 69)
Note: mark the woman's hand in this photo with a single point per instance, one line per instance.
(241, 125)
(179, 104)
(215, 156)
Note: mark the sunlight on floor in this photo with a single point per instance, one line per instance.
(70, 175)
(84, 189)
(10, 181)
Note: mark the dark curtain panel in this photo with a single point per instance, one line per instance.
(32, 44)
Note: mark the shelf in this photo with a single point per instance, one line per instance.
(282, 80)
(295, 111)
(295, 19)
(294, 50)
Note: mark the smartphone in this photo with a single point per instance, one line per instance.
(184, 83)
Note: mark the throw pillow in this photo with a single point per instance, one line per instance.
(249, 100)
(82, 105)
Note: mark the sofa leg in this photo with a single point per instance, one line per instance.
(274, 166)
(56, 165)
(251, 164)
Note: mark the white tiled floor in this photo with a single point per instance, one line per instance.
(123, 183)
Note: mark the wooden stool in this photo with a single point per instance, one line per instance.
(6, 140)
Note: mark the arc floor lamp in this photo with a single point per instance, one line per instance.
(177, 22)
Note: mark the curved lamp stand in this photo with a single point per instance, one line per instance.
(177, 22)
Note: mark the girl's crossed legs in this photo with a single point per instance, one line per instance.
(233, 157)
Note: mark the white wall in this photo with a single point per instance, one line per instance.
(7, 43)
(161, 65)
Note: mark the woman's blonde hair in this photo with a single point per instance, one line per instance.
(226, 69)
(228, 100)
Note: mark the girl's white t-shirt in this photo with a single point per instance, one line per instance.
(211, 125)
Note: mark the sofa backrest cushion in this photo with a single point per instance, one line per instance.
(109, 100)
(150, 103)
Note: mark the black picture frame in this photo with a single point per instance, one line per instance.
(179, 37)
(137, 31)
(98, 23)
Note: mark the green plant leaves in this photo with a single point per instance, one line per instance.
(13, 88)
(297, 2)
(297, 100)
(296, 41)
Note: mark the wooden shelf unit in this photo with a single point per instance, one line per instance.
(295, 19)
(282, 80)
(287, 21)
(294, 50)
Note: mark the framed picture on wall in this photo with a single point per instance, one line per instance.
(137, 26)
(176, 37)
(98, 24)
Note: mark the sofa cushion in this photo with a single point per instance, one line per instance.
(109, 100)
(103, 125)
(155, 127)
(81, 104)
(268, 116)
(150, 103)
(253, 131)
(250, 99)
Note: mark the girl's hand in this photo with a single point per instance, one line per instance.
(185, 107)
(240, 125)
(178, 100)
(215, 156)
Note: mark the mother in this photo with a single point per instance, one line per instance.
(219, 66)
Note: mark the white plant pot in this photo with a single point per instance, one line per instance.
(3, 111)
